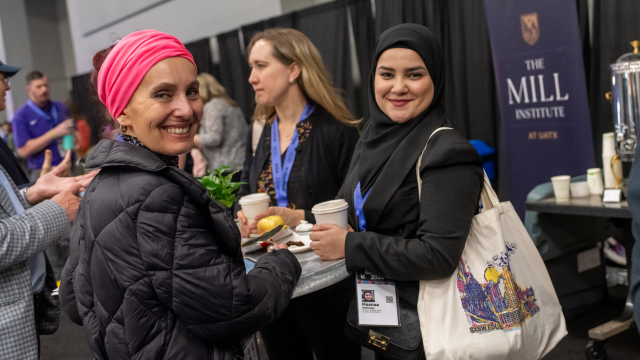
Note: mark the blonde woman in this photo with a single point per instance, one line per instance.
(223, 129)
(301, 160)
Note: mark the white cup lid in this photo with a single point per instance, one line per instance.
(254, 198)
(328, 207)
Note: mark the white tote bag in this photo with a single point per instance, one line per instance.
(500, 303)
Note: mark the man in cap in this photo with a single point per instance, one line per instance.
(30, 221)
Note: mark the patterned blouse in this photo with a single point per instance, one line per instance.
(296, 187)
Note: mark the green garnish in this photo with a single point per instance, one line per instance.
(221, 187)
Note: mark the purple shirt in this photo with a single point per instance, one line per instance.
(28, 125)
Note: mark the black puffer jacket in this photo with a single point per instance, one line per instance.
(156, 270)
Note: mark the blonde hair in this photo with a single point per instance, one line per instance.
(291, 46)
(210, 88)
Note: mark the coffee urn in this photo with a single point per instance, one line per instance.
(625, 97)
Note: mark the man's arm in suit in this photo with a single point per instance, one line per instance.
(31, 232)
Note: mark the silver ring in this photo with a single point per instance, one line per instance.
(270, 248)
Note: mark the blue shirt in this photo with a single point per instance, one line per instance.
(37, 264)
(28, 125)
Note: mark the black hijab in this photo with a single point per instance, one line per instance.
(383, 137)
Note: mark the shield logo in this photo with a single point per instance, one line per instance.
(530, 29)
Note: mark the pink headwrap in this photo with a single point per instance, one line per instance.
(129, 61)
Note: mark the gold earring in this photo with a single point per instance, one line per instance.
(124, 129)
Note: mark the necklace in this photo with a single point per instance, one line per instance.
(288, 137)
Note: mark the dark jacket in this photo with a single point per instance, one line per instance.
(12, 166)
(409, 240)
(156, 270)
(322, 159)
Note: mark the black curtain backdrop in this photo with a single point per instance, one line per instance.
(326, 26)
(201, 51)
(234, 71)
(615, 25)
(249, 30)
(365, 39)
(285, 21)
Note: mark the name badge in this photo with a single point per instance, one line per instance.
(377, 300)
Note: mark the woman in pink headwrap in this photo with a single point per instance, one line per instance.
(156, 270)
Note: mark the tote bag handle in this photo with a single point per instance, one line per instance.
(489, 197)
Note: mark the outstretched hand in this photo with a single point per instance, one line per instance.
(46, 164)
(52, 184)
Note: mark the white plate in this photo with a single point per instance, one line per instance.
(298, 249)
(294, 249)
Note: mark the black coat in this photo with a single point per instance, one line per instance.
(322, 159)
(156, 270)
(409, 240)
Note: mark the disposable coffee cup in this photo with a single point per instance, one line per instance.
(579, 189)
(561, 187)
(332, 212)
(253, 205)
(594, 179)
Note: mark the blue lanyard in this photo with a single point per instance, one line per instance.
(52, 118)
(281, 173)
(358, 202)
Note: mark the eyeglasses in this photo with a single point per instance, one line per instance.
(5, 81)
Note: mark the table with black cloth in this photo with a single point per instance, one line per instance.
(593, 206)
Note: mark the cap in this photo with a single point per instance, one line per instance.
(8, 69)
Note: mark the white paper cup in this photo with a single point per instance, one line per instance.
(608, 144)
(332, 212)
(579, 189)
(594, 179)
(253, 205)
(561, 187)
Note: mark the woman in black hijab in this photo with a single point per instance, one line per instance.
(396, 235)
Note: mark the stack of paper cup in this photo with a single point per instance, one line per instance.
(332, 212)
(561, 187)
(253, 205)
(608, 152)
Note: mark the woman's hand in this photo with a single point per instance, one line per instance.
(291, 217)
(327, 241)
(245, 228)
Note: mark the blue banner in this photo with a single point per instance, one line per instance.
(542, 92)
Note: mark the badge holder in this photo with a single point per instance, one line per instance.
(377, 300)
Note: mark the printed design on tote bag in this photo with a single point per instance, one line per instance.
(499, 303)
